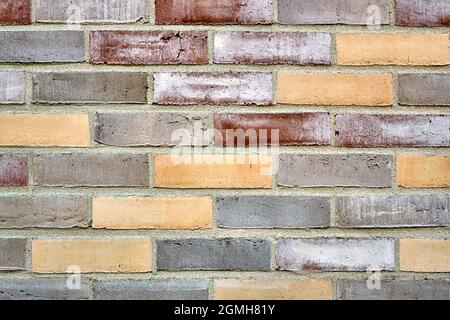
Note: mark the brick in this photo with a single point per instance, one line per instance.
(394, 290)
(272, 212)
(12, 87)
(213, 12)
(364, 131)
(41, 289)
(92, 256)
(91, 170)
(271, 129)
(425, 255)
(43, 211)
(424, 89)
(213, 171)
(71, 130)
(240, 88)
(335, 254)
(154, 289)
(331, 11)
(15, 12)
(347, 89)
(213, 254)
(423, 171)
(13, 170)
(12, 254)
(82, 11)
(42, 46)
(348, 170)
(392, 49)
(148, 47)
(90, 87)
(422, 13)
(152, 213)
(271, 289)
(299, 48)
(392, 211)
(150, 129)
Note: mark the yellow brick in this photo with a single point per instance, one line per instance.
(213, 171)
(335, 89)
(423, 171)
(235, 289)
(70, 130)
(392, 49)
(124, 255)
(152, 213)
(425, 255)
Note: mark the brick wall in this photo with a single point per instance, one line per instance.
(335, 120)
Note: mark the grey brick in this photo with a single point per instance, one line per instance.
(41, 289)
(150, 129)
(331, 11)
(273, 212)
(392, 211)
(90, 87)
(335, 254)
(43, 211)
(349, 170)
(12, 87)
(154, 289)
(213, 254)
(94, 170)
(424, 89)
(12, 254)
(42, 46)
(394, 290)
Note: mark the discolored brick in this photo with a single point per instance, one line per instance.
(13, 254)
(12, 87)
(424, 89)
(13, 170)
(15, 12)
(422, 13)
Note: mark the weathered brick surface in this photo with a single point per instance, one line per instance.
(351, 170)
(335, 254)
(392, 130)
(12, 87)
(418, 13)
(15, 12)
(80, 11)
(148, 47)
(91, 256)
(90, 87)
(100, 170)
(301, 48)
(423, 172)
(241, 88)
(425, 255)
(392, 211)
(155, 289)
(272, 128)
(43, 211)
(13, 170)
(331, 11)
(394, 290)
(13, 254)
(150, 129)
(213, 254)
(213, 12)
(272, 212)
(426, 89)
(42, 46)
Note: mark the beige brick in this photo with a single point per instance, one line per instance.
(236, 289)
(392, 49)
(152, 213)
(124, 255)
(425, 255)
(70, 130)
(423, 171)
(213, 171)
(334, 89)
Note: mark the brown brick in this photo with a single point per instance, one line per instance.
(15, 12)
(425, 255)
(421, 13)
(423, 171)
(13, 170)
(13, 254)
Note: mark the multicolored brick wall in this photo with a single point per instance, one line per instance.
(226, 149)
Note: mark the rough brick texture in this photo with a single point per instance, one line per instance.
(423, 172)
(13, 254)
(12, 87)
(13, 170)
(425, 255)
(419, 13)
(15, 12)
(427, 89)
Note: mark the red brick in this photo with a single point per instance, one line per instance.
(15, 11)
(13, 170)
(148, 47)
(420, 13)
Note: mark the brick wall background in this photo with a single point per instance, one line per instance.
(360, 180)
